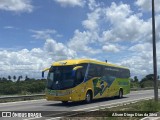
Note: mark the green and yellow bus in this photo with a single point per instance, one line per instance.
(84, 79)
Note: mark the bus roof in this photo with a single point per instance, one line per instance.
(79, 61)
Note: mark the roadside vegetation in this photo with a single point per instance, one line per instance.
(141, 107)
(146, 82)
(21, 87)
(145, 106)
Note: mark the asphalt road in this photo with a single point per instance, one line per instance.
(58, 107)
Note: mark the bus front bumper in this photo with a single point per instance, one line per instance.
(59, 98)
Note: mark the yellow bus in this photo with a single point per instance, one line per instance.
(84, 79)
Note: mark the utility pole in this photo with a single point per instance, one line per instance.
(154, 54)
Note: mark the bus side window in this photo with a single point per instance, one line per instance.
(80, 73)
(99, 70)
(79, 77)
(94, 71)
(91, 72)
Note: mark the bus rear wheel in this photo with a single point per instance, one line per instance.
(88, 98)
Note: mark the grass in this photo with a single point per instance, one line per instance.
(143, 106)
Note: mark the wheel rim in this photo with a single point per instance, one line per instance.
(64, 101)
(88, 97)
(120, 94)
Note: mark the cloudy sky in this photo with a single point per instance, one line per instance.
(35, 33)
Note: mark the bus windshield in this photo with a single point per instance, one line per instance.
(62, 77)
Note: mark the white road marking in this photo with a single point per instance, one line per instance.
(140, 92)
(32, 118)
(114, 103)
(146, 98)
(56, 118)
(48, 115)
(150, 118)
(22, 101)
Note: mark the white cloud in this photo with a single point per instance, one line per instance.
(116, 13)
(71, 3)
(121, 24)
(141, 47)
(16, 5)
(58, 50)
(141, 60)
(146, 5)
(81, 42)
(44, 34)
(32, 62)
(8, 27)
(92, 4)
(107, 29)
(123, 28)
(125, 25)
(92, 22)
(22, 62)
(110, 48)
(140, 64)
(86, 42)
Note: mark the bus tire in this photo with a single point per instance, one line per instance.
(120, 93)
(88, 98)
(64, 102)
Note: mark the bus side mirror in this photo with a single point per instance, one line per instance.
(42, 74)
(44, 71)
(77, 67)
(74, 70)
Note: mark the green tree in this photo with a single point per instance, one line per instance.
(150, 76)
(21, 87)
(26, 78)
(135, 79)
(131, 79)
(9, 77)
(14, 77)
(4, 79)
(147, 81)
(19, 78)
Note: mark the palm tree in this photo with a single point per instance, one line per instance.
(14, 77)
(19, 78)
(26, 78)
(9, 77)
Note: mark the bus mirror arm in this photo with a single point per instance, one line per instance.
(43, 72)
(77, 67)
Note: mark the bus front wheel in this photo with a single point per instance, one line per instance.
(120, 93)
(88, 98)
(64, 102)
